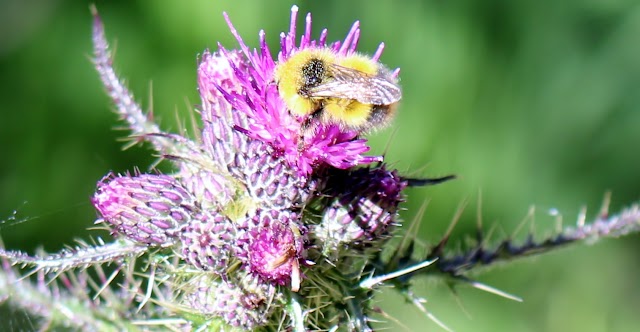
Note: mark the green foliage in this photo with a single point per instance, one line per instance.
(529, 103)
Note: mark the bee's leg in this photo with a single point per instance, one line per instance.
(313, 117)
(308, 126)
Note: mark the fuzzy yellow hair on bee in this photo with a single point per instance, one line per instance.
(353, 91)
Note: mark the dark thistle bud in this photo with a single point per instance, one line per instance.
(362, 206)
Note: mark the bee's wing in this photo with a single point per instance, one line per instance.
(348, 83)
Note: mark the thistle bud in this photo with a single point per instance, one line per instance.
(146, 208)
(206, 242)
(363, 207)
(275, 247)
(245, 302)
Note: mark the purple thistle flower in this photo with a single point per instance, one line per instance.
(255, 210)
(267, 117)
(252, 186)
(264, 224)
(248, 181)
(275, 247)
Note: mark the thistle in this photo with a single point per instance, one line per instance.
(265, 224)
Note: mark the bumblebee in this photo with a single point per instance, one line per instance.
(352, 91)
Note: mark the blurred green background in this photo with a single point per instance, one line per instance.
(531, 103)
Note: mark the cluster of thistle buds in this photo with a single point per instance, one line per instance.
(266, 223)
(260, 215)
(255, 212)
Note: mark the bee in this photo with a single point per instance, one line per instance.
(353, 91)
